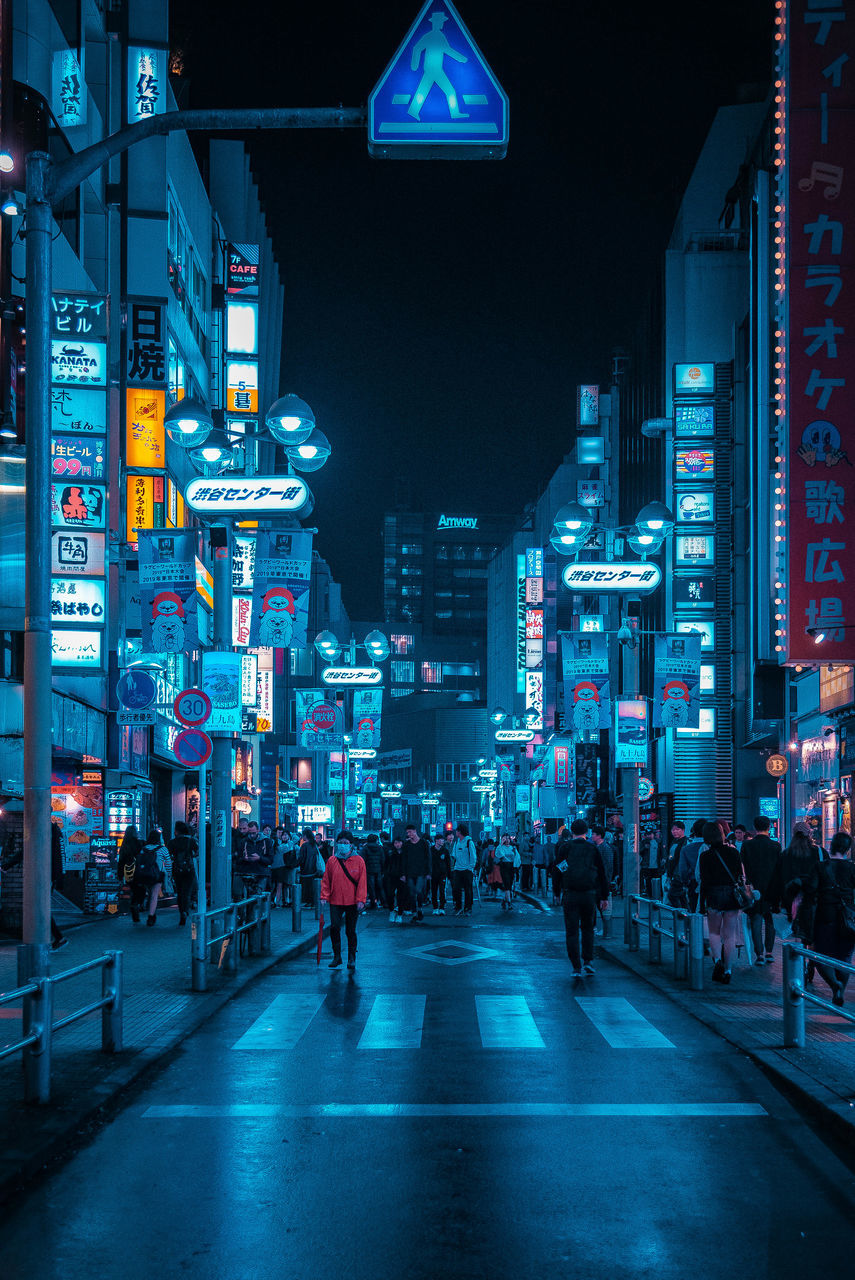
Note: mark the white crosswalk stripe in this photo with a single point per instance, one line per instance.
(395, 1022)
(505, 1022)
(282, 1023)
(622, 1025)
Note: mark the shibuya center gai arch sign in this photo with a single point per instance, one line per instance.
(606, 576)
(248, 496)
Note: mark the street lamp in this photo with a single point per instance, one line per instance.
(499, 715)
(290, 420)
(188, 422)
(570, 528)
(311, 453)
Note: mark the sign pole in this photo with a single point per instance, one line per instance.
(630, 775)
(221, 760)
(202, 893)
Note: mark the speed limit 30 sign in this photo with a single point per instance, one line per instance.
(192, 707)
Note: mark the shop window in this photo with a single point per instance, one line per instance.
(431, 673)
(402, 644)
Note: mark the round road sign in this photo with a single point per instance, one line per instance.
(645, 788)
(192, 707)
(192, 747)
(136, 690)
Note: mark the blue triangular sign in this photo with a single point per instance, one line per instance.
(438, 98)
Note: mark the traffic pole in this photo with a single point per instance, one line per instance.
(221, 757)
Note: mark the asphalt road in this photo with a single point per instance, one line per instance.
(474, 1114)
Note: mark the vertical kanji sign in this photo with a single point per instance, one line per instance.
(816, 328)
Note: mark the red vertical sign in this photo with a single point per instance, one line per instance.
(817, 83)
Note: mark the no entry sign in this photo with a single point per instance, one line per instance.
(192, 707)
(192, 747)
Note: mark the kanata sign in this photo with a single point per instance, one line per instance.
(248, 496)
(351, 675)
(457, 522)
(606, 577)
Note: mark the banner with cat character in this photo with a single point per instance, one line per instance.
(280, 589)
(167, 588)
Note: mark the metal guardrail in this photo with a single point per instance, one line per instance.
(248, 915)
(796, 993)
(686, 935)
(39, 1026)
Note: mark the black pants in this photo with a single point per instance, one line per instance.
(396, 894)
(375, 887)
(580, 912)
(461, 887)
(350, 915)
(762, 922)
(185, 889)
(526, 876)
(437, 890)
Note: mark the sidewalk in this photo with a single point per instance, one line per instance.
(749, 1014)
(160, 1010)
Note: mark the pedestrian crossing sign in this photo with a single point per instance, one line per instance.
(438, 99)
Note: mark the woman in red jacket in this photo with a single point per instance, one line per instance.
(345, 888)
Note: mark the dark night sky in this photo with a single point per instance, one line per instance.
(438, 316)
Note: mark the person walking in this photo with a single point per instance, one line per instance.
(395, 880)
(760, 858)
(308, 859)
(345, 887)
(129, 851)
(255, 857)
(835, 891)
(540, 853)
(720, 866)
(372, 856)
(183, 850)
(583, 886)
(58, 939)
(417, 868)
(794, 883)
(440, 870)
(525, 845)
(687, 863)
(464, 864)
(150, 872)
(505, 862)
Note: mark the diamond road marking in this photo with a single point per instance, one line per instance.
(452, 953)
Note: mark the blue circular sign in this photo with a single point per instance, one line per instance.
(136, 690)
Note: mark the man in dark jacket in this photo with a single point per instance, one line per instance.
(417, 868)
(761, 859)
(372, 855)
(183, 851)
(440, 871)
(255, 856)
(583, 886)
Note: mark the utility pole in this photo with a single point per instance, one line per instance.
(221, 756)
(630, 878)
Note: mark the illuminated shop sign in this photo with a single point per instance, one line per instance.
(703, 626)
(145, 443)
(694, 420)
(457, 522)
(78, 363)
(631, 735)
(68, 90)
(241, 386)
(522, 610)
(694, 378)
(587, 406)
(591, 493)
(695, 507)
(78, 505)
(352, 675)
(78, 409)
(147, 341)
(77, 553)
(242, 269)
(75, 315)
(697, 592)
(514, 735)
(242, 328)
(147, 82)
(706, 728)
(73, 456)
(75, 648)
(77, 600)
(694, 464)
(695, 549)
(247, 496)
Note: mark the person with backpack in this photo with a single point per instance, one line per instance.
(719, 870)
(129, 851)
(583, 887)
(464, 863)
(345, 887)
(150, 872)
(183, 850)
(686, 879)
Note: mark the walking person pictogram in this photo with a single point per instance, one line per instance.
(435, 47)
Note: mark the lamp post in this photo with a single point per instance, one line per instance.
(48, 183)
(190, 424)
(330, 648)
(653, 523)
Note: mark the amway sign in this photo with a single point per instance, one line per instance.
(457, 522)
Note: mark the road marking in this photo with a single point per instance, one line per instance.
(282, 1023)
(364, 1110)
(505, 1022)
(395, 1022)
(452, 952)
(621, 1025)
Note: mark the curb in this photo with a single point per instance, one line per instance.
(59, 1130)
(817, 1099)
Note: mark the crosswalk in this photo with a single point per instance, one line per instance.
(397, 1022)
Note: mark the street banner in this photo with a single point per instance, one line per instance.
(367, 707)
(221, 681)
(320, 724)
(677, 682)
(168, 599)
(280, 590)
(585, 666)
(587, 756)
(369, 779)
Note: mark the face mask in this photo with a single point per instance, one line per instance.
(342, 850)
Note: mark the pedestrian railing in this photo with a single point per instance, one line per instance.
(686, 935)
(796, 992)
(250, 916)
(39, 1027)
